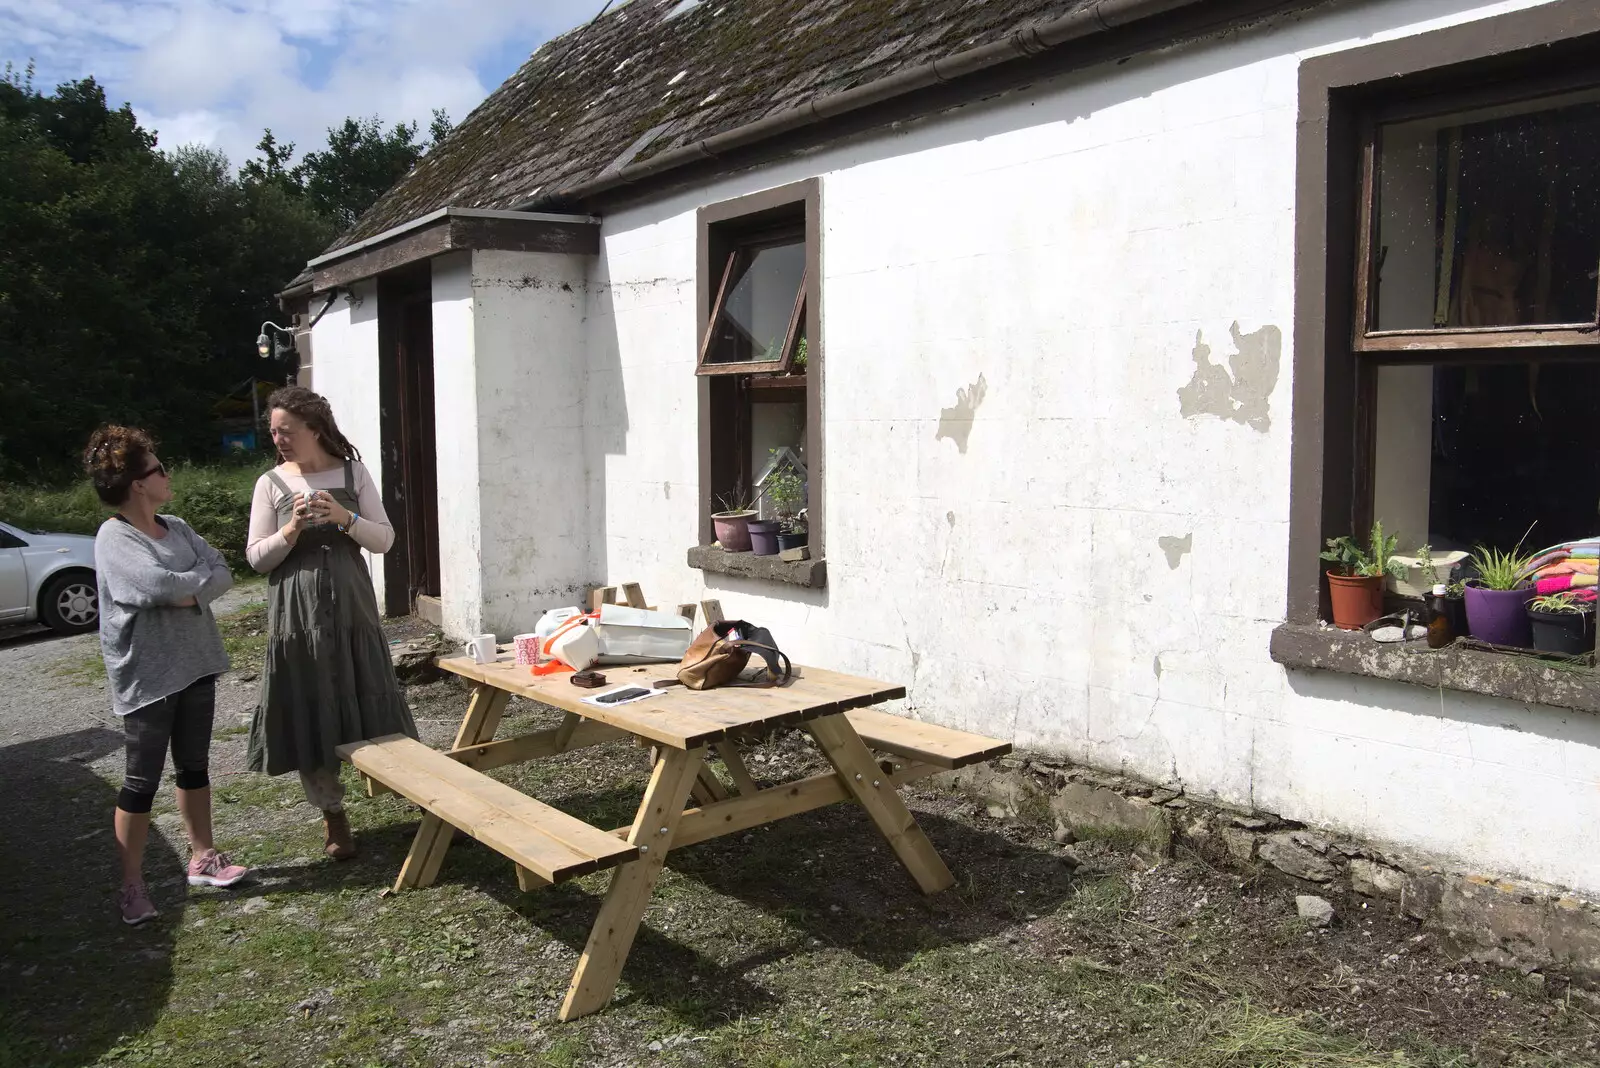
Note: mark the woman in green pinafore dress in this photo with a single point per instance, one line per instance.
(328, 678)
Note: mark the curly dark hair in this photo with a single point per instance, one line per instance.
(115, 458)
(314, 411)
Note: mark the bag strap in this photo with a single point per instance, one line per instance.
(773, 656)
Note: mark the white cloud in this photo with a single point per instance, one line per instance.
(219, 71)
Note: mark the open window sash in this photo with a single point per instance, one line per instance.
(727, 339)
(1476, 228)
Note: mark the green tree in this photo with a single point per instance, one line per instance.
(360, 163)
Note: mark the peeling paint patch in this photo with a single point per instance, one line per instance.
(666, 490)
(1176, 548)
(1242, 396)
(956, 423)
(950, 517)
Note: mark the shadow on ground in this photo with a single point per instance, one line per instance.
(67, 963)
(828, 874)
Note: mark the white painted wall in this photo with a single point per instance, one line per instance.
(532, 466)
(1110, 259)
(456, 422)
(345, 343)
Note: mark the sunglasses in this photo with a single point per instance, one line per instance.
(158, 469)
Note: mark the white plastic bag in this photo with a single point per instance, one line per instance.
(639, 636)
(577, 646)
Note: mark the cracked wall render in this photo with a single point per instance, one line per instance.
(1080, 291)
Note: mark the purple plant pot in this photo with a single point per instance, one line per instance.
(1500, 617)
(764, 537)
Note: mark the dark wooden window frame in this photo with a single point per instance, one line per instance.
(1365, 337)
(1335, 382)
(747, 244)
(720, 229)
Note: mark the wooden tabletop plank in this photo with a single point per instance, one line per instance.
(681, 718)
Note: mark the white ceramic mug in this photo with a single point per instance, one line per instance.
(481, 648)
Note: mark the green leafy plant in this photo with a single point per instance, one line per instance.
(1560, 604)
(1499, 570)
(1375, 559)
(785, 489)
(800, 356)
(1455, 588)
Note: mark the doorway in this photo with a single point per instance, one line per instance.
(410, 459)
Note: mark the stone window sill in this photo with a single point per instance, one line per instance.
(812, 574)
(1526, 679)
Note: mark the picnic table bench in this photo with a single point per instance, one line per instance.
(684, 802)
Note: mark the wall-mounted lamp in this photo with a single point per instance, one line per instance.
(269, 346)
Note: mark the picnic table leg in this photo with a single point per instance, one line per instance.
(428, 848)
(866, 782)
(483, 716)
(729, 752)
(434, 835)
(618, 922)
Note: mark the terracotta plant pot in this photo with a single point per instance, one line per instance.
(1500, 617)
(1568, 633)
(1357, 599)
(764, 537)
(733, 530)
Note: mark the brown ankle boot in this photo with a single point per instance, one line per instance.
(338, 842)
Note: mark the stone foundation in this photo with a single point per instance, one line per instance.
(1510, 922)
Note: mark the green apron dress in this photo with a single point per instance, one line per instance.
(328, 677)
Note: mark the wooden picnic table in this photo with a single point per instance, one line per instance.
(682, 726)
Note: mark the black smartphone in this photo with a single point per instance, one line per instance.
(621, 695)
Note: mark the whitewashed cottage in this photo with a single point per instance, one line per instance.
(1111, 313)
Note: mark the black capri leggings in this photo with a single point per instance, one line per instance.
(183, 722)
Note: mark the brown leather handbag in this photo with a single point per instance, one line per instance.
(722, 651)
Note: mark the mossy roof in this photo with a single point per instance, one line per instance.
(652, 75)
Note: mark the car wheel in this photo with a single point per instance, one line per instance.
(70, 604)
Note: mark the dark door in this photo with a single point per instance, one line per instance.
(419, 471)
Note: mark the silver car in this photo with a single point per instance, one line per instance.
(48, 578)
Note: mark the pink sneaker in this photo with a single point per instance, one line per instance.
(214, 869)
(134, 901)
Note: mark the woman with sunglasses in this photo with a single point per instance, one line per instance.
(328, 678)
(163, 654)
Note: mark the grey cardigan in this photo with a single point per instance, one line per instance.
(152, 648)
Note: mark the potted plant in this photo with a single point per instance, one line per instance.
(1562, 624)
(785, 490)
(1455, 604)
(1355, 583)
(793, 536)
(732, 524)
(1497, 600)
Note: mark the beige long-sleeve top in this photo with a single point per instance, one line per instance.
(267, 547)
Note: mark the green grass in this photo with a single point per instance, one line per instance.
(801, 945)
(214, 499)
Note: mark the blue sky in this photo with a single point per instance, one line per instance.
(217, 71)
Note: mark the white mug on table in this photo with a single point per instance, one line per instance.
(481, 648)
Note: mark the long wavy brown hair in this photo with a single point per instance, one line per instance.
(314, 411)
(115, 458)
